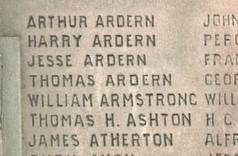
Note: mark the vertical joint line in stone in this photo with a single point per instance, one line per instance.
(1, 113)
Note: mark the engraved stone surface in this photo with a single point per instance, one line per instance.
(127, 78)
